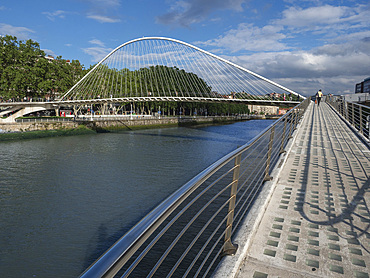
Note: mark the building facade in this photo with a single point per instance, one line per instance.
(363, 87)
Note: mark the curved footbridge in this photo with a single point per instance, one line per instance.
(312, 219)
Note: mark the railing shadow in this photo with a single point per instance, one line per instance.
(346, 216)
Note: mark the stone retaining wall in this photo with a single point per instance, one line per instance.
(32, 126)
(107, 124)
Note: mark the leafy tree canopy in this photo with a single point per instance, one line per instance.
(25, 72)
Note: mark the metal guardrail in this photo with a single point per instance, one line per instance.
(84, 118)
(357, 115)
(187, 234)
(43, 120)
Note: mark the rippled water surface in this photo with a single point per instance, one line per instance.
(64, 201)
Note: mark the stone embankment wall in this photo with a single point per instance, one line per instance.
(32, 126)
(120, 124)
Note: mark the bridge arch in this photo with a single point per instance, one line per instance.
(164, 67)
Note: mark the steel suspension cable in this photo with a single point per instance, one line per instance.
(176, 74)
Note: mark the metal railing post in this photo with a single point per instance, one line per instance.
(339, 109)
(267, 176)
(361, 127)
(282, 150)
(353, 114)
(291, 126)
(229, 247)
(296, 114)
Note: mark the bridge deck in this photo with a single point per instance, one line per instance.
(317, 221)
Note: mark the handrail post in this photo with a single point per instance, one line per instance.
(282, 139)
(296, 114)
(339, 106)
(353, 114)
(229, 247)
(361, 127)
(291, 126)
(267, 176)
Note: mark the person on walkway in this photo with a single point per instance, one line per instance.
(318, 97)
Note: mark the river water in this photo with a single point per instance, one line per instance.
(64, 201)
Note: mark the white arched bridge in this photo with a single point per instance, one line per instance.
(163, 69)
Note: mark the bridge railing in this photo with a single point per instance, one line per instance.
(356, 114)
(43, 120)
(188, 233)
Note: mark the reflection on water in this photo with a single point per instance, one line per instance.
(64, 201)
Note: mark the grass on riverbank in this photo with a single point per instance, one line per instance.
(13, 136)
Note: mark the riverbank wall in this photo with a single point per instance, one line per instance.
(37, 126)
(101, 124)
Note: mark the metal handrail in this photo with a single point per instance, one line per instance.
(183, 235)
(43, 120)
(356, 114)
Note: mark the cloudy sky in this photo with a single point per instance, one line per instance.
(304, 45)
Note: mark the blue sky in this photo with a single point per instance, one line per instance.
(304, 45)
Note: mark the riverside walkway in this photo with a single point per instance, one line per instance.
(317, 222)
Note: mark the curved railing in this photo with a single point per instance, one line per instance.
(189, 231)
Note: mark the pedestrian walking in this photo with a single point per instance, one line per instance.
(319, 95)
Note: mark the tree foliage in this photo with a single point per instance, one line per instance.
(154, 81)
(25, 72)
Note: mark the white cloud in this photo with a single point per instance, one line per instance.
(53, 15)
(103, 10)
(103, 19)
(98, 52)
(105, 3)
(339, 60)
(335, 68)
(21, 33)
(49, 52)
(250, 37)
(97, 42)
(298, 17)
(327, 19)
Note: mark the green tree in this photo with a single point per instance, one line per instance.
(24, 71)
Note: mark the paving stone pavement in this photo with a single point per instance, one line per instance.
(317, 223)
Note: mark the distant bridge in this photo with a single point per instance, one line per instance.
(167, 70)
